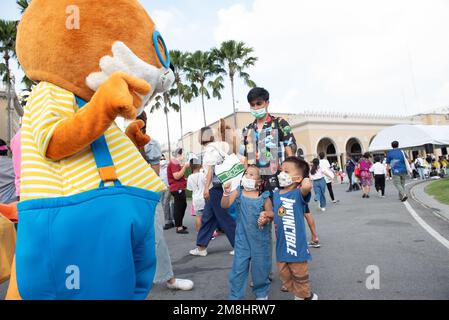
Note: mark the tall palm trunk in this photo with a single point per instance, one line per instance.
(9, 98)
(168, 136)
(180, 118)
(204, 108)
(233, 102)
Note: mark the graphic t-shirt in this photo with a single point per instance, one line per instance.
(291, 244)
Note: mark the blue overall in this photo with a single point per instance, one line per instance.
(95, 245)
(252, 246)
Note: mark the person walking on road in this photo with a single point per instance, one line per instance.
(366, 178)
(350, 167)
(398, 163)
(178, 183)
(379, 171)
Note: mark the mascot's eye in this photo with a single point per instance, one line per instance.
(159, 42)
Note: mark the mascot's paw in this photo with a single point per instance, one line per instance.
(134, 132)
(121, 93)
(9, 211)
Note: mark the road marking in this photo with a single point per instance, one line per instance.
(426, 227)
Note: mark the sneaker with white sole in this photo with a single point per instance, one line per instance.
(232, 253)
(198, 252)
(181, 284)
(323, 209)
(261, 299)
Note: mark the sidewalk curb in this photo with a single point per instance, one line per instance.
(428, 202)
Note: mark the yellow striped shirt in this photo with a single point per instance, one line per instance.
(41, 177)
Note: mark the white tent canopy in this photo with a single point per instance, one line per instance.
(410, 136)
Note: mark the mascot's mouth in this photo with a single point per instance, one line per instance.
(125, 60)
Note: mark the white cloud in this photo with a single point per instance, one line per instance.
(346, 55)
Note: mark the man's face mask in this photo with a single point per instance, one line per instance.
(124, 60)
(259, 114)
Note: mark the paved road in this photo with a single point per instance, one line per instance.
(356, 233)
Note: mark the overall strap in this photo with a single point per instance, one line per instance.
(102, 156)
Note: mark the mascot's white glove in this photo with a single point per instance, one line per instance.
(124, 60)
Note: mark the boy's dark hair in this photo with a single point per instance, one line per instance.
(367, 155)
(322, 155)
(206, 136)
(258, 94)
(376, 159)
(300, 164)
(3, 152)
(194, 165)
(395, 144)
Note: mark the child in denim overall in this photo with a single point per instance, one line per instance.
(252, 243)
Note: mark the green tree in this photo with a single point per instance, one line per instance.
(8, 31)
(23, 5)
(164, 102)
(200, 67)
(184, 92)
(235, 58)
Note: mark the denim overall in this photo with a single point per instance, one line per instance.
(252, 245)
(94, 245)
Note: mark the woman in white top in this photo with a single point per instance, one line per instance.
(326, 166)
(317, 175)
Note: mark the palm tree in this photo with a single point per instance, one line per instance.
(234, 58)
(23, 5)
(164, 102)
(8, 31)
(200, 67)
(179, 60)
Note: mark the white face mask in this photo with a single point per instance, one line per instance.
(248, 184)
(124, 60)
(285, 180)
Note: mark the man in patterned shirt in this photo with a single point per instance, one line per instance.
(268, 140)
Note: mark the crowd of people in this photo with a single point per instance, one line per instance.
(275, 188)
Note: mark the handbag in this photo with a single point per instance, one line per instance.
(7, 247)
(357, 172)
(407, 164)
(98, 244)
(230, 170)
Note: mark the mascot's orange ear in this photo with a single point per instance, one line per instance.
(60, 41)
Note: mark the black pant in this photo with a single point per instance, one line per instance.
(379, 181)
(331, 191)
(350, 172)
(180, 207)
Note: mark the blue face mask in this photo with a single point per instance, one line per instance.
(259, 114)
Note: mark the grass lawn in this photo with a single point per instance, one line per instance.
(440, 190)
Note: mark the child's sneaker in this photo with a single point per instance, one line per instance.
(198, 252)
(315, 244)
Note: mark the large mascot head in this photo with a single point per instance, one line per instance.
(77, 44)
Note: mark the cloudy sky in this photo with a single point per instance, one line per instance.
(389, 57)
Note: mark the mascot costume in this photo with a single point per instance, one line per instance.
(86, 215)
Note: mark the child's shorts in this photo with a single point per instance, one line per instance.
(199, 213)
(295, 277)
